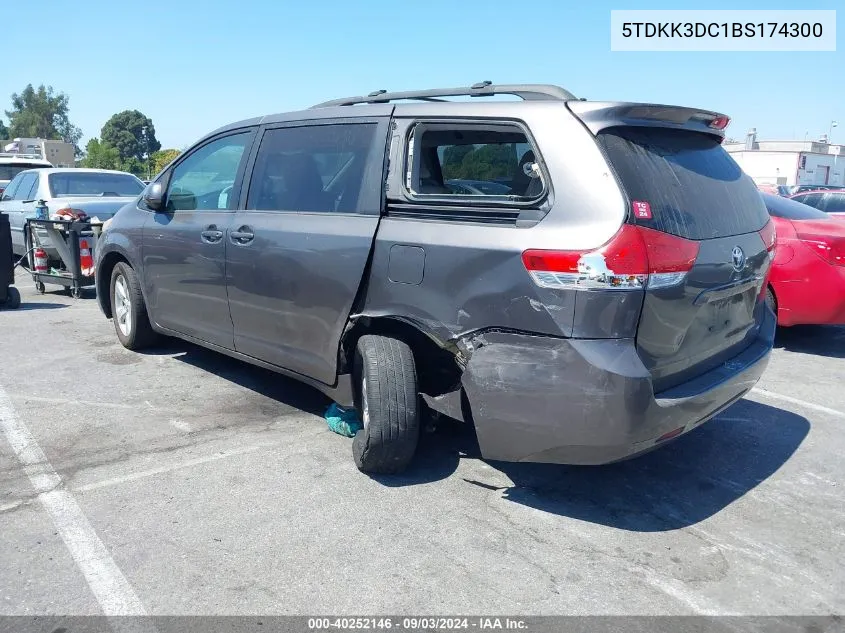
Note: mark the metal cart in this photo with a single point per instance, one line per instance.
(64, 236)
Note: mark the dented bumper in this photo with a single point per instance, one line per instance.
(571, 401)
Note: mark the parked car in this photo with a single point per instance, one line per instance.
(831, 201)
(778, 190)
(807, 282)
(11, 164)
(802, 188)
(615, 300)
(97, 192)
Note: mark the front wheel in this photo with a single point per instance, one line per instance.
(129, 312)
(387, 398)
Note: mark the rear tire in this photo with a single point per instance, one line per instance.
(13, 298)
(129, 311)
(387, 399)
(771, 301)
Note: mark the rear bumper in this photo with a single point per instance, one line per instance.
(590, 402)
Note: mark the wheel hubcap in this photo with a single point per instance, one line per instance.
(122, 306)
(365, 405)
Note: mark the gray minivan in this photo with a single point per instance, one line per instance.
(602, 296)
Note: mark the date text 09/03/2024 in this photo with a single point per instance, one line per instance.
(417, 623)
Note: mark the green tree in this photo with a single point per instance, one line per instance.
(41, 113)
(485, 162)
(162, 159)
(100, 155)
(134, 136)
(4, 131)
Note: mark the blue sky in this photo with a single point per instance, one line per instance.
(192, 66)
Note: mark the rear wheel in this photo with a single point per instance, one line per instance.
(129, 312)
(13, 298)
(771, 302)
(387, 398)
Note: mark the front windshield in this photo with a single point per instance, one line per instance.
(64, 184)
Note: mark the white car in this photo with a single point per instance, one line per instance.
(11, 164)
(97, 192)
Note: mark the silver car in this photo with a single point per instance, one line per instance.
(97, 192)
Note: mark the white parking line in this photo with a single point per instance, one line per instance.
(108, 584)
(803, 403)
(166, 469)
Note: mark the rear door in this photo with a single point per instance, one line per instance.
(297, 252)
(682, 183)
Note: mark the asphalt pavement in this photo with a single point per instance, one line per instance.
(179, 481)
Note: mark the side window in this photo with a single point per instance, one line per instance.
(204, 180)
(813, 199)
(9, 192)
(477, 160)
(834, 203)
(33, 189)
(27, 184)
(314, 168)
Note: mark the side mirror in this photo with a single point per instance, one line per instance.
(154, 196)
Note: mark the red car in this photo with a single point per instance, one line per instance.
(807, 280)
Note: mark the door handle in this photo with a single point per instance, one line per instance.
(211, 234)
(243, 235)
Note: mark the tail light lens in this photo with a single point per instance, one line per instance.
(720, 122)
(769, 236)
(830, 249)
(635, 258)
(770, 239)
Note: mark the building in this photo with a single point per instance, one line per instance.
(59, 153)
(790, 162)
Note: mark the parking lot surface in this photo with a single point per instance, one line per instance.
(180, 481)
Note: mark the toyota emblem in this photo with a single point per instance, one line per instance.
(738, 258)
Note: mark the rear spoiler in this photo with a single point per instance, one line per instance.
(598, 116)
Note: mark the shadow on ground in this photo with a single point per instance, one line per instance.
(676, 486)
(25, 307)
(267, 383)
(822, 340)
(679, 485)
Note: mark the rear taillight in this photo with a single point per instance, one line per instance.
(830, 249)
(634, 258)
(720, 122)
(770, 238)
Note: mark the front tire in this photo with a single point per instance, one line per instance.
(129, 312)
(387, 399)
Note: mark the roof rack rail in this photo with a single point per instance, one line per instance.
(21, 156)
(528, 92)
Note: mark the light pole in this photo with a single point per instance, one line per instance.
(833, 124)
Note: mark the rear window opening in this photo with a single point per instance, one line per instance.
(683, 183)
(473, 161)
